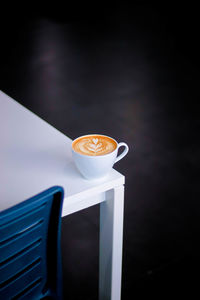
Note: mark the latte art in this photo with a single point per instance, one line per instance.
(94, 145)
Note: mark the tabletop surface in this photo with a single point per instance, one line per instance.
(35, 156)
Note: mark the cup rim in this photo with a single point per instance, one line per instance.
(94, 156)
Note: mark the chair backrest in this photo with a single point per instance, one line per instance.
(30, 251)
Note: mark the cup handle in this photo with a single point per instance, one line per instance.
(123, 153)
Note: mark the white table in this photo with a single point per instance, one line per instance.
(35, 156)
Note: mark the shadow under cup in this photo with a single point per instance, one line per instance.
(95, 165)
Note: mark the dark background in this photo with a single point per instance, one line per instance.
(131, 73)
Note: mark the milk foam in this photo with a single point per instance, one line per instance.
(94, 145)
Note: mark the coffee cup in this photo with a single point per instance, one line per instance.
(95, 154)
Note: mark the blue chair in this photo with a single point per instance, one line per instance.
(30, 251)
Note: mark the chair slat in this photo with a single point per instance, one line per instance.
(30, 254)
(14, 264)
(20, 242)
(20, 223)
(20, 283)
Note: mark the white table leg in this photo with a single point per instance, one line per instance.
(111, 238)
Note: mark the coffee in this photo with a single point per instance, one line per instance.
(94, 145)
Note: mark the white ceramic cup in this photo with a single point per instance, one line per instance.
(97, 167)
